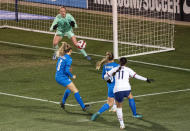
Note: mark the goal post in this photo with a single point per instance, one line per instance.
(115, 29)
(135, 27)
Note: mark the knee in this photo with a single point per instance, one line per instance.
(55, 42)
(75, 90)
(68, 91)
(110, 101)
(119, 105)
(110, 104)
(130, 96)
(74, 40)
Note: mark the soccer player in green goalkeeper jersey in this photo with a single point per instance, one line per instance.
(64, 24)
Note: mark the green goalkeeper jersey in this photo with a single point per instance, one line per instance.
(63, 23)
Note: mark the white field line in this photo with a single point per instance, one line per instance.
(145, 63)
(39, 47)
(37, 99)
(31, 98)
(158, 65)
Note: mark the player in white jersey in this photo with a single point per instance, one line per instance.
(122, 86)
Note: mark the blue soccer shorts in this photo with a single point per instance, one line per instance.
(64, 81)
(119, 96)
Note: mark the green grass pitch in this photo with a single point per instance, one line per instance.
(30, 72)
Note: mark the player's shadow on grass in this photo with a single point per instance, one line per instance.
(86, 113)
(131, 126)
(153, 126)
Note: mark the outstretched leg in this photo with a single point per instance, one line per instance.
(65, 96)
(103, 109)
(114, 107)
(133, 106)
(74, 40)
(78, 98)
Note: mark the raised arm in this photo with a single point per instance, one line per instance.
(54, 25)
(139, 77)
(72, 21)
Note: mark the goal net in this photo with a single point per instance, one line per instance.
(135, 27)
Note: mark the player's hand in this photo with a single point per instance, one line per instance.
(74, 76)
(55, 26)
(98, 65)
(72, 24)
(149, 80)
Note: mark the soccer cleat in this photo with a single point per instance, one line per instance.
(113, 109)
(62, 105)
(54, 56)
(137, 116)
(86, 108)
(88, 57)
(95, 116)
(122, 127)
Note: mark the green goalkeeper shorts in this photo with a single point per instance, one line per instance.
(69, 34)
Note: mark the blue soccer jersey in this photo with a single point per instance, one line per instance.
(63, 70)
(106, 68)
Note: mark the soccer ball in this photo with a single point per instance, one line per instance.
(81, 44)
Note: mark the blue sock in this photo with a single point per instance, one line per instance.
(132, 105)
(104, 108)
(79, 100)
(66, 94)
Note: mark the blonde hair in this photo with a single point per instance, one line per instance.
(65, 48)
(62, 7)
(109, 57)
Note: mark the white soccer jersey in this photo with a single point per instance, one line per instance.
(122, 79)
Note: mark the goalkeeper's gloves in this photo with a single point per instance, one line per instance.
(72, 24)
(55, 26)
(149, 80)
(109, 81)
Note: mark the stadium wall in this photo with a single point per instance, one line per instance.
(181, 8)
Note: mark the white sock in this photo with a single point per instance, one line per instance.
(114, 105)
(56, 47)
(120, 116)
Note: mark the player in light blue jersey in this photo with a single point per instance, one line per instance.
(64, 24)
(110, 84)
(63, 75)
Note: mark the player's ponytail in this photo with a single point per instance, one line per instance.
(65, 48)
(122, 62)
(109, 57)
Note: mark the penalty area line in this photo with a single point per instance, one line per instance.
(95, 102)
(151, 94)
(133, 61)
